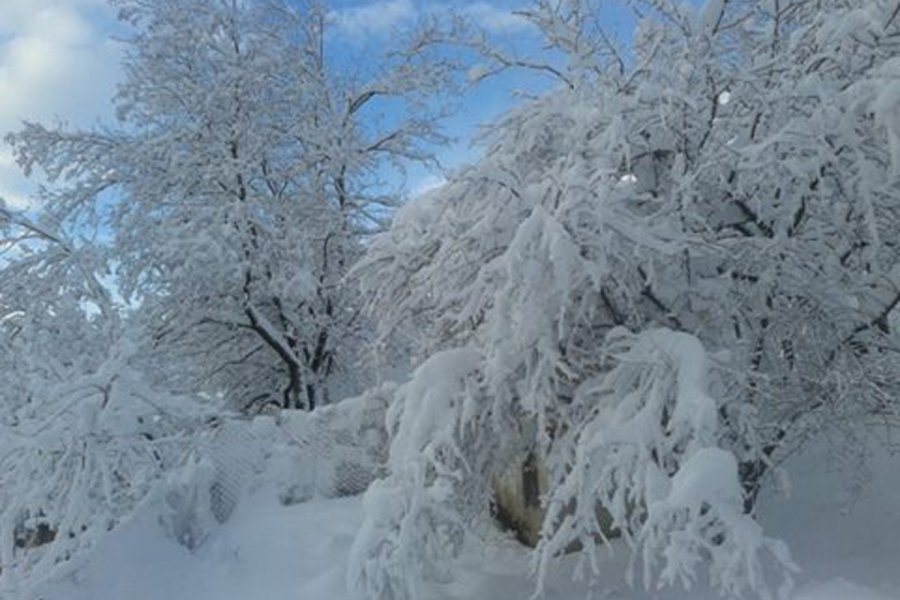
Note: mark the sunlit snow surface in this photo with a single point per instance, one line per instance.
(848, 546)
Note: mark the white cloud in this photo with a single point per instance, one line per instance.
(496, 20)
(55, 61)
(375, 18)
(13, 187)
(379, 17)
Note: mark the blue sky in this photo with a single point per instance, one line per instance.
(58, 61)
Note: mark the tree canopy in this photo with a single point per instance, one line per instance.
(664, 276)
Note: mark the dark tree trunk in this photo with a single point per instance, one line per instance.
(292, 391)
(531, 483)
(751, 474)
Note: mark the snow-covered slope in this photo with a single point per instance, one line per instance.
(849, 548)
(265, 551)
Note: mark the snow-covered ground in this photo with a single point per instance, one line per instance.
(849, 548)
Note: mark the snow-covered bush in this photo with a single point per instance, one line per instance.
(646, 449)
(85, 436)
(677, 266)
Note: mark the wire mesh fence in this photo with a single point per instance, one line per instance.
(337, 450)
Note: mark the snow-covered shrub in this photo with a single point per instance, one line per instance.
(416, 515)
(78, 456)
(84, 436)
(648, 433)
(647, 450)
(728, 191)
(701, 520)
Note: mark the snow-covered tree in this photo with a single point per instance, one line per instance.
(195, 251)
(232, 198)
(662, 278)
